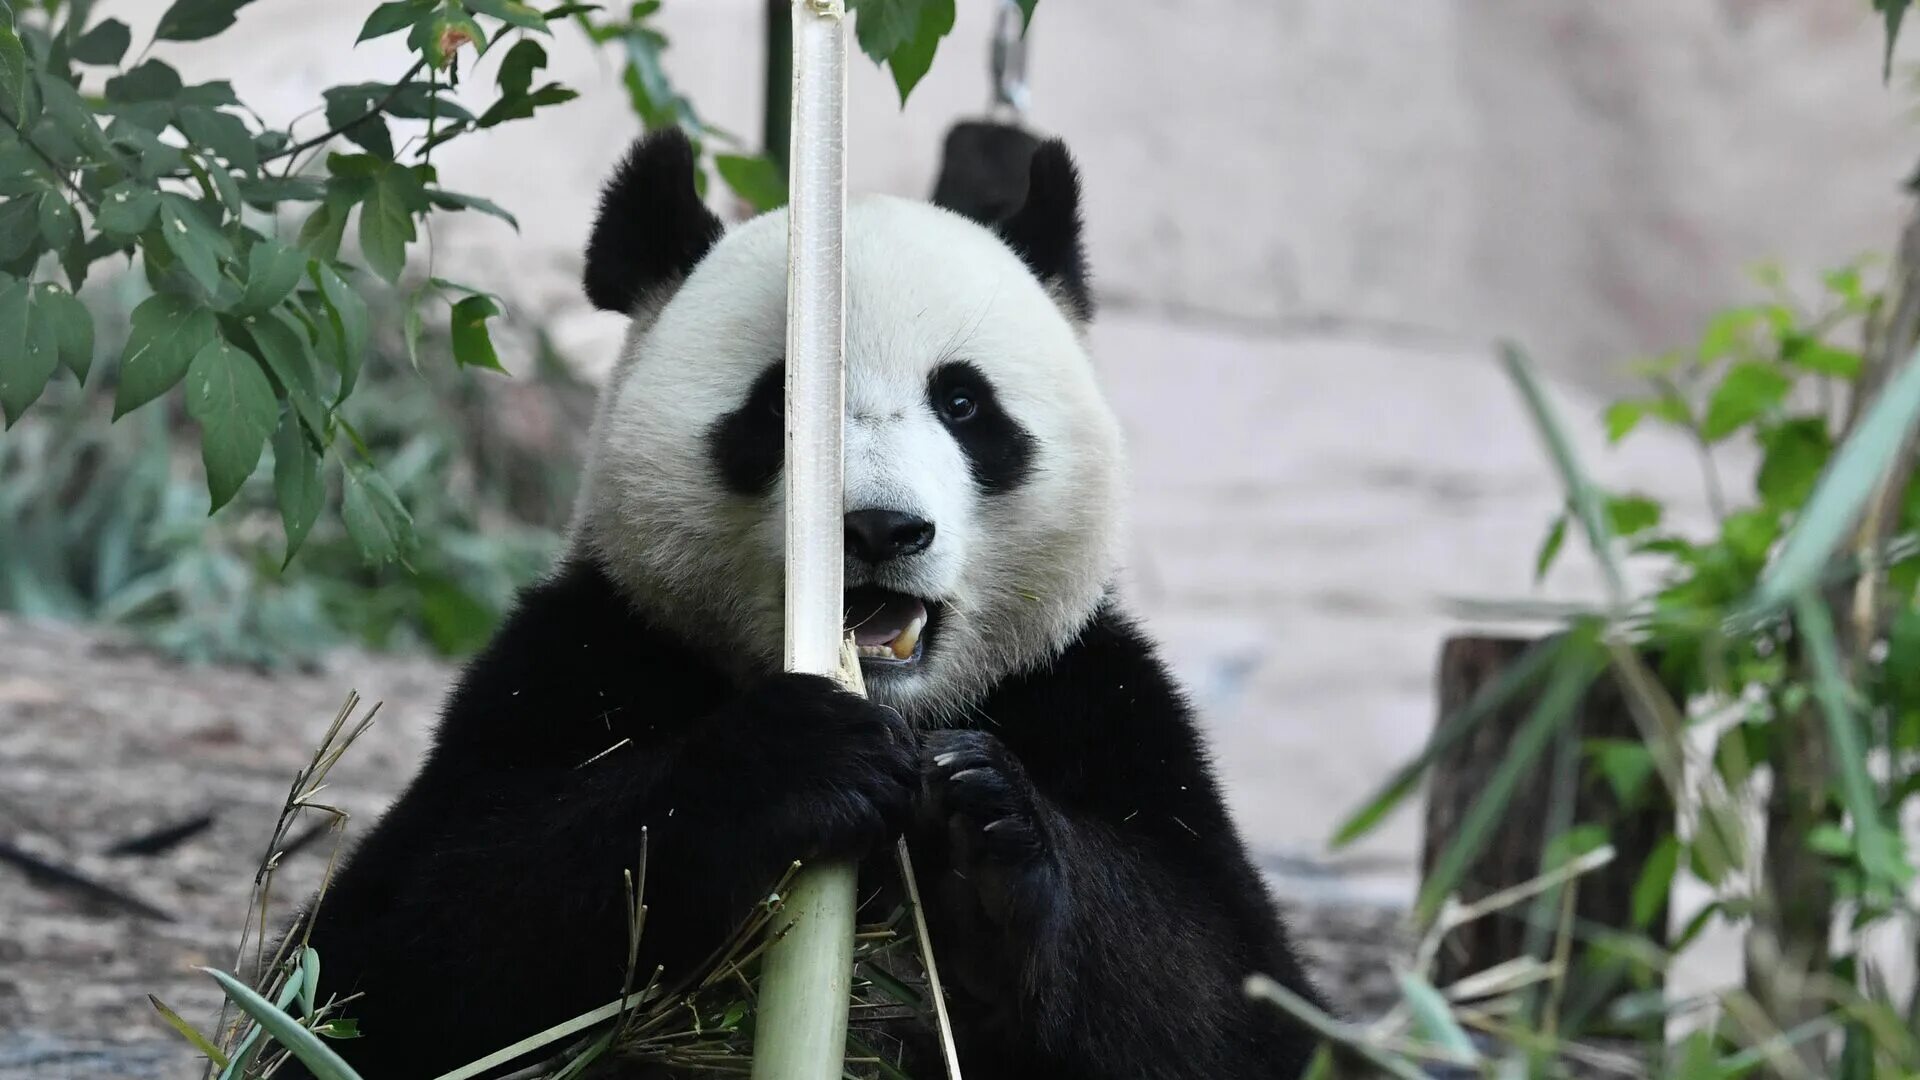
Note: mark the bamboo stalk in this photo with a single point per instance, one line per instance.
(800, 1032)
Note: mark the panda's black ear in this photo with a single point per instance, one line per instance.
(1045, 231)
(652, 227)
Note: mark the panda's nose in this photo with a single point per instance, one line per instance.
(878, 535)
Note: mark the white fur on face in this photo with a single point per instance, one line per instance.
(1018, 571)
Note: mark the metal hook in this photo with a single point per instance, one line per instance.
(1010, 61)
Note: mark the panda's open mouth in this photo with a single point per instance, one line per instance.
(888, 628)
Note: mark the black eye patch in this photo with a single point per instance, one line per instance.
(748, 445)
(999, 451)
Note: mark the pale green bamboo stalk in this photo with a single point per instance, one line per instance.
(800, 1032)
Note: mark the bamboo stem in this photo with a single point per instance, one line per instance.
(801, 1029)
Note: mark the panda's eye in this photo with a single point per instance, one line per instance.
(959, 404)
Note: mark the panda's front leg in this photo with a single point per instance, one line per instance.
(1077, 947)
(995, 874)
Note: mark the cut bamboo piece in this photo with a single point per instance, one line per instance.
(801, 1028)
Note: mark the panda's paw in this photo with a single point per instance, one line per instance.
(841, 773)
(997, 827)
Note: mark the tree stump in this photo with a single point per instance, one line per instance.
(1604, 897)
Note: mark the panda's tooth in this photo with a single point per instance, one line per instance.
(904, 644)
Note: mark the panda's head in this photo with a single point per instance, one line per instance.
(983, 467)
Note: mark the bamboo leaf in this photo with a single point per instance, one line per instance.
(1589, 504)
(1433, 1021)
(1844, 488)
(1579, 661)
(188, 1032)
(1879, 847)
(304, 1045)
(1491, 698)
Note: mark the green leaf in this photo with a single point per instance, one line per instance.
(1550, 548)
(189, 1032)
(516, 71)
(910, 62)
(310, 984)
(1894, 11)
(1625, 764)
(446, 35)
(1795, 452)
(379, 526)
(1622, 417)
(273, 269)
(350, 109)
(198, 245)
(233, 401)
(13, 70)
(1881, 852)
(151, 81)
(1809, 354)
(127, 209)
(1729, 333)
(1843, 490)
(1026, 13)
(29, 350)
(320, 234)
(386, 220)
(194, 20)
(223, 133)
(269, 190)
(1578, 663)
(344, 1028)
(510, 12)
(420, 101)
(1749, 391)
(1656, 881)
(348, 314)
(1586, 500)
(57, 222)
(304, 1045)
(884, 27)
(1432, 1020)
(1630, 514)
(453, 200)
(103, 45)
(519, 108)
(19, 228)
(72, 326)
(756, 179)
(472, 347)
(282, 345)
(391, 17)
(166, 332)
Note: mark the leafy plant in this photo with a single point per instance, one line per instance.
(106, 521)
(261, 326)
(1786, 635)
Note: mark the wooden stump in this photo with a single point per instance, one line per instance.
(1603, 898)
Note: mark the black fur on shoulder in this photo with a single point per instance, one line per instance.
(652, 227)
(1045, 231)
(1095, 909)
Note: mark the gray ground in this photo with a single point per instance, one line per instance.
(99, 742)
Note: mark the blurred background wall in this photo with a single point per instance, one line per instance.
(1308, 220)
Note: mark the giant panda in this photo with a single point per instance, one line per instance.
(1094, 911)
